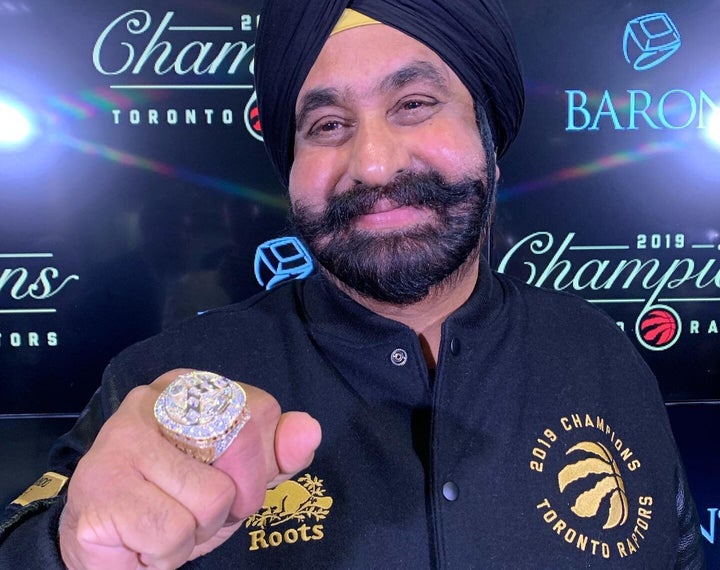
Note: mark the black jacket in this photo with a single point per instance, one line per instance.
(541, 440)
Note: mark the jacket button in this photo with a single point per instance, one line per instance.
(450, 491)
(455, 346)
(399, 357)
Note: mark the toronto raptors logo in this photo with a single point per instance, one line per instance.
(658, 327)
(590, 492)
(252, 118)
(609, 488)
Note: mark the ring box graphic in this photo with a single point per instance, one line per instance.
(649, 40)
(285, 258)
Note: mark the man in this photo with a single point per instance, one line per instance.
(468, 420)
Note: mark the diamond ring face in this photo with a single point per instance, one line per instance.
(202, 413)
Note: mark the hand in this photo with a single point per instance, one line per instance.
(137, 501)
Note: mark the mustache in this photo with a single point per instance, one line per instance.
(421, 190)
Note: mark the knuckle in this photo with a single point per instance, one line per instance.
(87, 533)
(137, 392)
(255, 499)
(217, 502)
(224, 489)
(180, 527)
(163, 534)
(267, 410)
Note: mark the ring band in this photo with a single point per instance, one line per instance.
(201, 413)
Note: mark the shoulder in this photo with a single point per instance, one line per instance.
(556, 310)
(228, 340)
(562, 327)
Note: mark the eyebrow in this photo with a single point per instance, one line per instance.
(316, 99)
(417, 71)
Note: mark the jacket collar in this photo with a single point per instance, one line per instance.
(331, 312)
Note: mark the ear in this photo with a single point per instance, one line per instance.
(497, 171)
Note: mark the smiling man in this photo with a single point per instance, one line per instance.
(389, 183)
(468, 420)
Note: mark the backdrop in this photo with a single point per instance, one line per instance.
(134, 189)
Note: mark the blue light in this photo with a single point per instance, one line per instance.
(17, 127)
(712, 132)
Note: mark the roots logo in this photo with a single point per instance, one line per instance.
(599, 461)
(300, 501)
(658, 328)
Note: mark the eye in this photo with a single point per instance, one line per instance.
(325, 127)
(414, 104)
(328, 130)
(414, 109)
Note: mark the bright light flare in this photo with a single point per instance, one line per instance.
(712, 132)
(16, 124)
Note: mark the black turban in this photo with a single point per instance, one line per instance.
(473, 37)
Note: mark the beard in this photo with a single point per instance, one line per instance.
(401, 266)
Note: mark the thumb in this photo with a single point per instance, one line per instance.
(297, 436)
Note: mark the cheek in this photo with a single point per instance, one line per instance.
(455, 152)
(312, 179)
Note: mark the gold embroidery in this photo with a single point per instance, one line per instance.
(588, 503)
(298, 501)
(601, 476)
(46, 487)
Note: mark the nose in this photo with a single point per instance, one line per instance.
(379, 153)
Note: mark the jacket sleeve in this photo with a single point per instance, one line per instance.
(28, 534)
(691, 554)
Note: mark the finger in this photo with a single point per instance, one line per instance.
(91, 555)
(250, 459)
(100, 557)
(164, 536)
(220, 537)
(264, 410)
(160, 532)
(297, 437)
(244, 463)
(265, 413)
(206, 492)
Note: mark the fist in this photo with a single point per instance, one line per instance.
(136, 500)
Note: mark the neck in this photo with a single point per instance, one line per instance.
(427, 316)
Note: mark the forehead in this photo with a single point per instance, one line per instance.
(363, 56)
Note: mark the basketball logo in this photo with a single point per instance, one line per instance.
(252, 118)
(600, 484)
(658, 328)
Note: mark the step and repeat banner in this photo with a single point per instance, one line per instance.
(612, 192)
(134, 188)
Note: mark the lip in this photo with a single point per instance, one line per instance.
(388, 215)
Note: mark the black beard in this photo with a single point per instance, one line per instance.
(398, 267)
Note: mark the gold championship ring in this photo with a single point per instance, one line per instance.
(202, 413)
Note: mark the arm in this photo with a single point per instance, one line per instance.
(28, 533)
(133, 496)
(691, 555)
